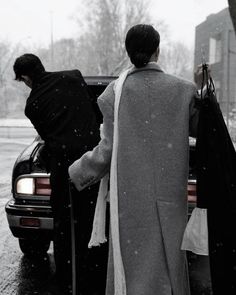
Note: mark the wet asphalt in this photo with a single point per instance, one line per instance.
(22, 275)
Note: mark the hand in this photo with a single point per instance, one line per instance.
(198, 76)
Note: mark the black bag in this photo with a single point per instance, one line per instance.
(216, 188)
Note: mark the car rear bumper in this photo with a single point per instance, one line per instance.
(25, 220)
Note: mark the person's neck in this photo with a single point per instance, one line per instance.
(152, 62)
(153, 59)
(154, 56)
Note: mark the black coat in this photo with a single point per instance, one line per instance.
(62, 112)
(216, 191)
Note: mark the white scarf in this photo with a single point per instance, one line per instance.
(98, 233)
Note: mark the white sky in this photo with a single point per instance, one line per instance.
(182, 16)
(28, 21)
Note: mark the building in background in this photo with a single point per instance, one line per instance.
(215, 43)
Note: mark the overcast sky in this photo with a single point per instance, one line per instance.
(28, 21)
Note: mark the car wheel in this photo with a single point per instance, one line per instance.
(34, 247)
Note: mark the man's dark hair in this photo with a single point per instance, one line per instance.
(141, 42)
(28, 64)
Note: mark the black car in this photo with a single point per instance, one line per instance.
(29, 212)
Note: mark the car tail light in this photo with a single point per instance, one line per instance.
(25, 186)
(192, 195)
(33, 184)
(42, 186)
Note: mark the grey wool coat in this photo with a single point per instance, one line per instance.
(156, 117)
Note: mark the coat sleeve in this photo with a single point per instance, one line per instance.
(193, 113)
(93, 165)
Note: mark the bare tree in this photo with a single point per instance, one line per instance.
(232, 11)
(65, 54)
(6, 56)
(107, 23)
(103, 47)
(12, 94)
(176, 58)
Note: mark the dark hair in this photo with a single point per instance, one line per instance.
(141, 42)
(28, 64)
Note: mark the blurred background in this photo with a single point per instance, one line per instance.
(89, 35)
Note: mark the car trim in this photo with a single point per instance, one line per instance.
(12, 204)
(45, 222)
(103, 80)
(192, 181)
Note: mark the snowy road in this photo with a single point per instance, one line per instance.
(18, 274)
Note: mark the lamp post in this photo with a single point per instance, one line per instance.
(51, 37)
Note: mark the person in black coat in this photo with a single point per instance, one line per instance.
(62, 112)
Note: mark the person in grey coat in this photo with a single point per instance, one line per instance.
(156, 115)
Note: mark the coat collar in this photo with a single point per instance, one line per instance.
(153, 66)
